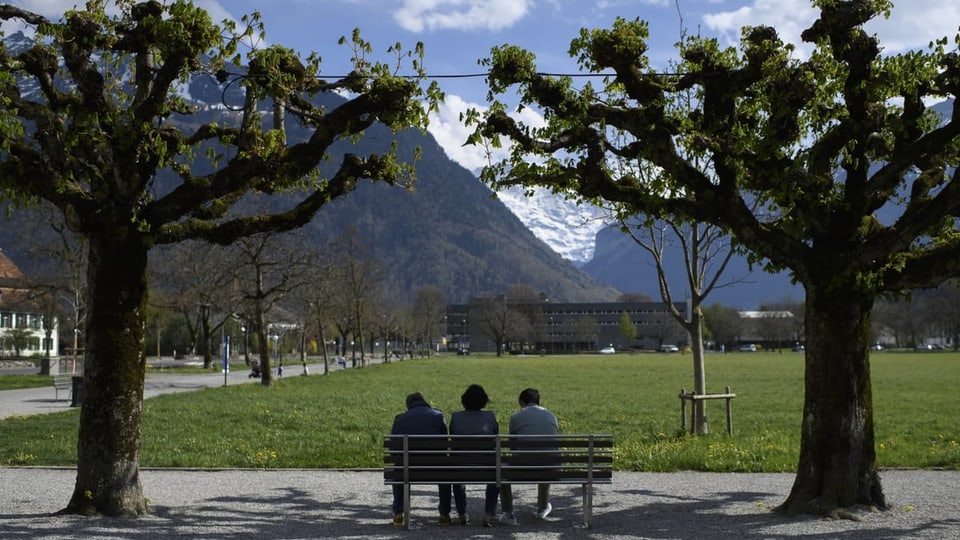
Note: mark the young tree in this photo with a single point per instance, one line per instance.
(108, 121)
(802, 154)
(705, 251)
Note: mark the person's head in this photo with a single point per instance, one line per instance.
(474, 398)
(415, 398)
(529, 396)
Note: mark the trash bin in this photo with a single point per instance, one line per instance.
(76, 392)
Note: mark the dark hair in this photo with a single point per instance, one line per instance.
(474, 398)
(414, 398)
(530, 396)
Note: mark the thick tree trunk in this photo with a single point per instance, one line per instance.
(108, 449)
(838, 465)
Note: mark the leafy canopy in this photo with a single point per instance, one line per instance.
(794, 157)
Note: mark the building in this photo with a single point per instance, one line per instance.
(548, 327)
(23, 330)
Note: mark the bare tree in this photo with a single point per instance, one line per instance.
(428, 311)
(360, 277)
(494, 318)
(195, 277)
(705, 252)
(266, 268)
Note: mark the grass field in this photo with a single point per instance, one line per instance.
(338, 420)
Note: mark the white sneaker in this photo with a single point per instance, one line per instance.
(507, 519)
(545, 512)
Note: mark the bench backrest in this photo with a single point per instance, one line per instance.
(494, 459)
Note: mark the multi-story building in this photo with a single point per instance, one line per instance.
(548, 327)
(22, 322)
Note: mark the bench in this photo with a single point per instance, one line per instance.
(62, 382)
(582, 460)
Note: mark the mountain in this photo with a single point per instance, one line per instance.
(613, 258)
(619, 262)
(449, 231)
(569, 228)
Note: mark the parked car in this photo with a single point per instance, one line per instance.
(923, 347)
(876, 347)
(669, 348)
(748, 347)
(608, 350)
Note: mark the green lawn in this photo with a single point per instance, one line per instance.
(16, 382)
(338, 420)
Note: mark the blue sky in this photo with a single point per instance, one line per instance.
(457, 33)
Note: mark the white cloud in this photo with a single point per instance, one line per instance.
(911, 25)
(420, 15)
(789, 17)
(450, 132)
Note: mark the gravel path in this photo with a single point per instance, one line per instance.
(293, 504)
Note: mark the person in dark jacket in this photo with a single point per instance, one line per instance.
(475, 421)
(420, 419)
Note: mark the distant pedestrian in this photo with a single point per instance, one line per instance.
(531, 419)
(420, 419)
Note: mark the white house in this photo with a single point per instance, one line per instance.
(21, 318)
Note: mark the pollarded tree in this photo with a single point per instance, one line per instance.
(801, 153)
(93, 115)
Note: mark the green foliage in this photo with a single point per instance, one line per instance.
(338, 420)
(794, 145)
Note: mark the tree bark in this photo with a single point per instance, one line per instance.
(700, 423)
(108, 447)
(838, 466)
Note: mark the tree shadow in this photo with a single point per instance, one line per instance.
(286, 512)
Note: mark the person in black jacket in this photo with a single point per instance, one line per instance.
(420, 419)
(475, 421)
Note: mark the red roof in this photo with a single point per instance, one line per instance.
(8, 269)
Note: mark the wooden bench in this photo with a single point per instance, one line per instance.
(580, 459)
(62, 382)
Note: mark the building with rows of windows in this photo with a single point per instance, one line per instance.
(22, 322)
(548, 327)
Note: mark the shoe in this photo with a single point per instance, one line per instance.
(443, 520)
(545, 512)
(398, 520)
(507, 519)
(488, 520)
(463, 518)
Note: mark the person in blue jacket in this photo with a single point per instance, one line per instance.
(420, 419)
(475, 421)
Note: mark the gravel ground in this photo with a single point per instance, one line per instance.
(355, 504)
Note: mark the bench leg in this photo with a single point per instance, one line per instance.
(587, 504)
(406, 506)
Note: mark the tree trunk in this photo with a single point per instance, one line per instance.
(838, 465)
(700, 424)
(266, 377)
(108, 448)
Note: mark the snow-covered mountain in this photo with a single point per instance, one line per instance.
(570, 229)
